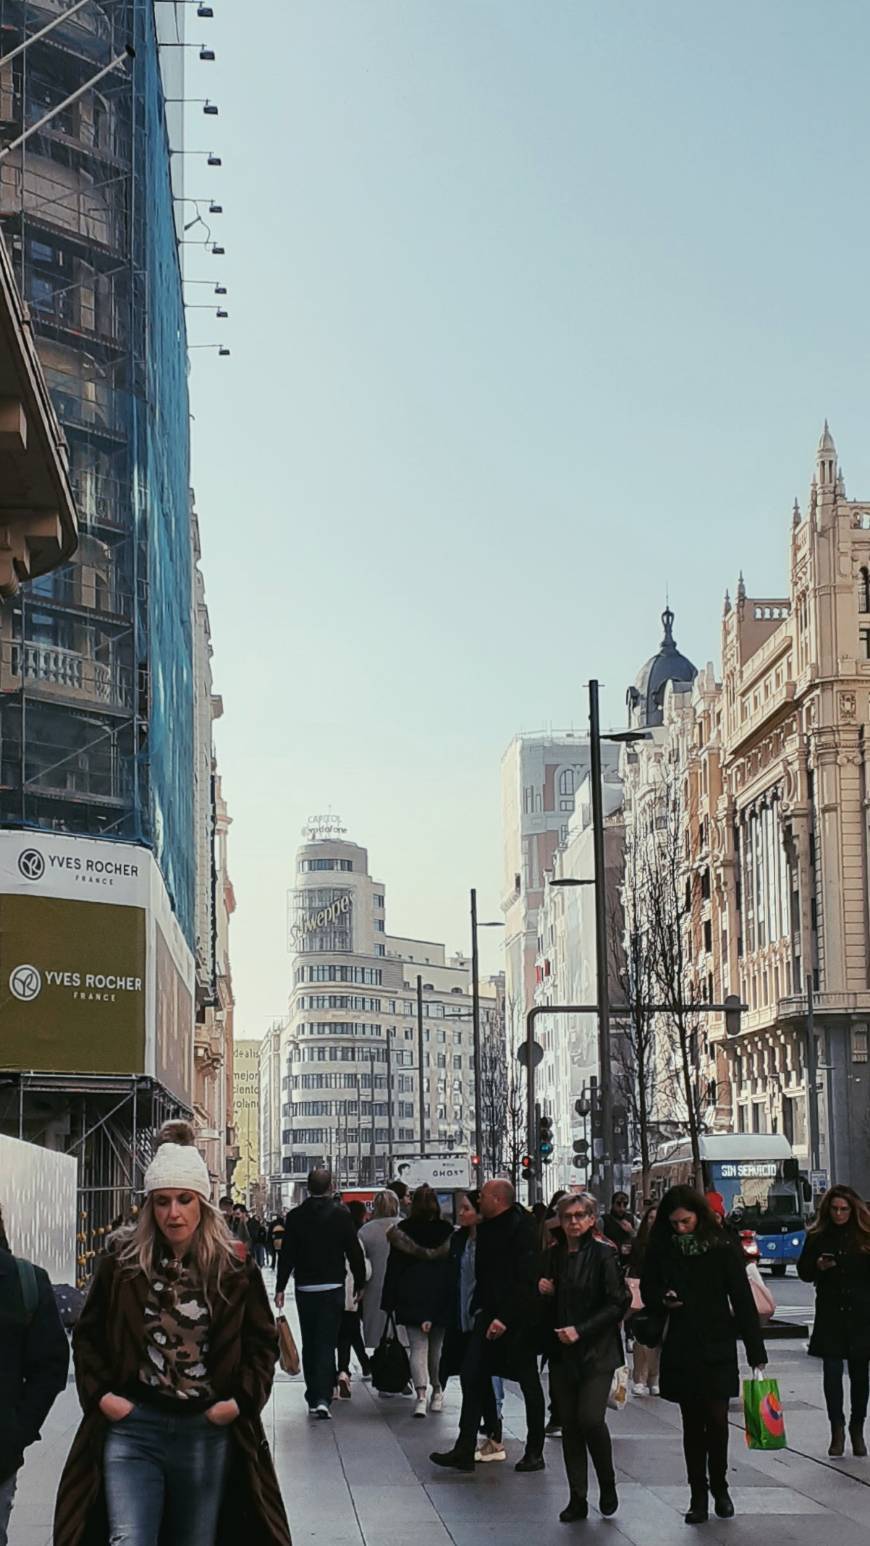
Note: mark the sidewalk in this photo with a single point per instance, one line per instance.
(365, 1478)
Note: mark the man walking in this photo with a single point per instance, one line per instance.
(504, 1339)
(319, 1245)
(34, 1358)
(619, 1227)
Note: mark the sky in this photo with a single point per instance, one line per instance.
(536, 311)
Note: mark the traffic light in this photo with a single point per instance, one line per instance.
(527, 1166)
(581, 1153)
(545, 1140)
(733, 1015)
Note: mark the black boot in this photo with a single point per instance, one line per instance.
(698, 1510)
(608, 1502)
(856, 1434)
(531, 1463)
(723, 1504)
(453, 1459)
(577, 1508)
(837, 1446)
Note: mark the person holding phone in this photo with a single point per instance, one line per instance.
(694, 1275)
(836, 1258)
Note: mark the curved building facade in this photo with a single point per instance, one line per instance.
(350, 1059)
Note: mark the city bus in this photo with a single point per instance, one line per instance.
(760, 1184)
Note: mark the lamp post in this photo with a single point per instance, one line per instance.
(475, 1021)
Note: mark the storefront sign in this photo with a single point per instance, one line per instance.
(320, 920)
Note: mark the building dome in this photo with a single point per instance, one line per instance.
(646, 698)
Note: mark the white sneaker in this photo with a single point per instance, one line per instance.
(490, 1449)
(420, 1408)
(637, 1389)
(437, 1402)
(654, 1390)
(322, 1411)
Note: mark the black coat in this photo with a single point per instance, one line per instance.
(842, 1324)
(699, 1353)
(507, 1268)
(34, 1359)
(417, 1279)
(319, 1238)
(455, 1339)
(591, 1296)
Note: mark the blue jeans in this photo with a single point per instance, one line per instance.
(7, 1494)
(320, 1322)
(163, 1468)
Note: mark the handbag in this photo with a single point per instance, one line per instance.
(618, 1397)
(633, 1286)
(765, 1303)
(391, 1369)
(288, 1352)
(763, 1415)
(648, 1327)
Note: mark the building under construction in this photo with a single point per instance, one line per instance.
(97, 721)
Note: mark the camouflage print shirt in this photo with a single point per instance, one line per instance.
(177, 1321)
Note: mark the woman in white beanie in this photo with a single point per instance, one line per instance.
(175, 1354)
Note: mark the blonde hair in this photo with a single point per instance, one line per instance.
(385, 1205)
(213, 1249)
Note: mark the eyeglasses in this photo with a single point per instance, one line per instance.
(575, 1216)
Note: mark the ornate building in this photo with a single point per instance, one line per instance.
(790, 846)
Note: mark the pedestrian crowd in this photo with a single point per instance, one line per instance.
(176, 1346)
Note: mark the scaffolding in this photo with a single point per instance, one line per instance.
(96, 659)
(108, 1123)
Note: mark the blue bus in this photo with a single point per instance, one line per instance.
(760, 1184)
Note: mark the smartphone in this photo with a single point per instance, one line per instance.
(828, 1256)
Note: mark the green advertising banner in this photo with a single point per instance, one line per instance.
(72, 986)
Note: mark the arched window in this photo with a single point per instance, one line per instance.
(566, 781)
(864, 589)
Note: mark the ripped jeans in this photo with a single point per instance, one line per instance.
(160, 1468)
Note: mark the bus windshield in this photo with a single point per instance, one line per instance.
(756, 1191)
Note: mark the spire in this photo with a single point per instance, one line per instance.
(668, 642)
(741, 589)
(826, 459)
(727, 606)
(841, 483)
(796, 513)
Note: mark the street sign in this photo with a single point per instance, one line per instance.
(523, 1054)
(818, 1181)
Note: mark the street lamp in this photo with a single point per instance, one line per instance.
(209, 108)
(211, 158)
(475, 1018)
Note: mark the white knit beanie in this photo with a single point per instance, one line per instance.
(178, 1163)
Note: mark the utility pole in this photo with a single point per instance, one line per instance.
(389, 1107)
(372, 1113)
(605, 1085)
(812, 1079)
(475, 1022)
(420, 1066)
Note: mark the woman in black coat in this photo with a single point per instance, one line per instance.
(836, 1258)
(417, 1290)
(694, 1276)
(584, 1286)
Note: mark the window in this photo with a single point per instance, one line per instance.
(860, 1048)
(457, 1060)
(379, 925)
(567, 782)
(379, 901)
(865, 643)
(864, 589)
(380, 950)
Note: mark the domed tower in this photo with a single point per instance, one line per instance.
(646, 699)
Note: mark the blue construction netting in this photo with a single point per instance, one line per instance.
(96, 660)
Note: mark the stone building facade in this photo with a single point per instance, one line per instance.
(790, 838)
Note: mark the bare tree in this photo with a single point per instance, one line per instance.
(636, 1069)
(515, 1128)
(493, 1090)
(666, 914)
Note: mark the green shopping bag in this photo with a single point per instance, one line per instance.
(762, 1410)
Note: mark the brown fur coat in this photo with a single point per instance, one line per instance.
(241, 1364)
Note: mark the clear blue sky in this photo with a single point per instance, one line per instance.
(536, 310)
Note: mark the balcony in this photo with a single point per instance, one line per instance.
(67, 673)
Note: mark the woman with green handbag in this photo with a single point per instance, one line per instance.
(694, 1273)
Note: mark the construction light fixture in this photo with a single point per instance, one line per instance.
(204, 12)
(212, 160)
(209, 108)
(220, 349)
(207, 55)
